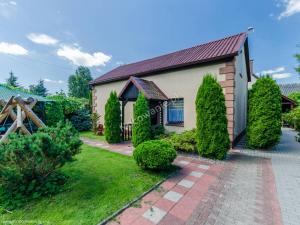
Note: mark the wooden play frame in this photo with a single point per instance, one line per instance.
(24, 110)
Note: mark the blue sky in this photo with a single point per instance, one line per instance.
(49, 39)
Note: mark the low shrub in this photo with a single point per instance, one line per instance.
(157, 131)
(292, 118)
(54, 113)
(29, 164)
(154, 155)
(81, 120)
(185, 141)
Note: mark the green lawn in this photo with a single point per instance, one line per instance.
(91, 135)
(100, 183)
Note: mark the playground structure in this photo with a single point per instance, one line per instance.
(18, 109)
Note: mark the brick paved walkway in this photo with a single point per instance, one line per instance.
(123, 148)
(239, 191)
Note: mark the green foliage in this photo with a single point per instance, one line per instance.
(112, 119)
(99, 183)
(211, 133)
(29, 164)
(292, 118)
(298, 59)
(39, 89)
(154, 154)
(54, 113)
(185, 141)
(12, 80)
(295, 96)
(157, 131)
(67, 108)
(264, 114)
(79, 83)
(69, 104)
(141, 130)
(95, 118)
(81, 120)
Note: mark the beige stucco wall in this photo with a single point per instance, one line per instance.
(175, 84)
(241, 94)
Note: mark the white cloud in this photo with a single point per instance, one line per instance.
(291, 7)
(7, 8)
(276, 73)
(281, 75)
(53, 81)
(12, 49)
(12, 3)
(80, 58)
(272, 71)
(42, 39)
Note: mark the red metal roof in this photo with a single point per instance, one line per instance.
(212, 51)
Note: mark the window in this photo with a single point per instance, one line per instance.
(175, 111)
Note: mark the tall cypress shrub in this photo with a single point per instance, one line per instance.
(142, 125)
(112, 119)
(211, 132)
(264, 114)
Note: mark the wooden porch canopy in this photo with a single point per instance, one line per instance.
(153, 94)
(135, 85)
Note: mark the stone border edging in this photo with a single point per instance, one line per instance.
(118, 212)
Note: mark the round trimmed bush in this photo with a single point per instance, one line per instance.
(154, 155)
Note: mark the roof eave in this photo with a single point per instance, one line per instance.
(215, 59)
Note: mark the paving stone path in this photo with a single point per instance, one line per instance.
(285, 159)
(250, 188)
(123, 148)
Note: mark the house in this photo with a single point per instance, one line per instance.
(170, 82)
(287, 104)
(286, 90)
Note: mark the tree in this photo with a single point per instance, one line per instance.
(141, 131)
(112, 119)
(12, 80)
(79, 83)
(298, 59)
(39, 89)
(295, 96)
(264, 114)
(211, 133)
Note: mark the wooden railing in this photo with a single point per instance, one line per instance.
(127, 132)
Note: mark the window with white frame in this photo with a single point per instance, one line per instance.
(175, 111)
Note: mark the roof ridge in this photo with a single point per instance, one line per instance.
(205, 52)
(185, 49)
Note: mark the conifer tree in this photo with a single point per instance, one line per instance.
(211, 132)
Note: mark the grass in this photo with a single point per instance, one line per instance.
(100, 183)
(91, 135)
